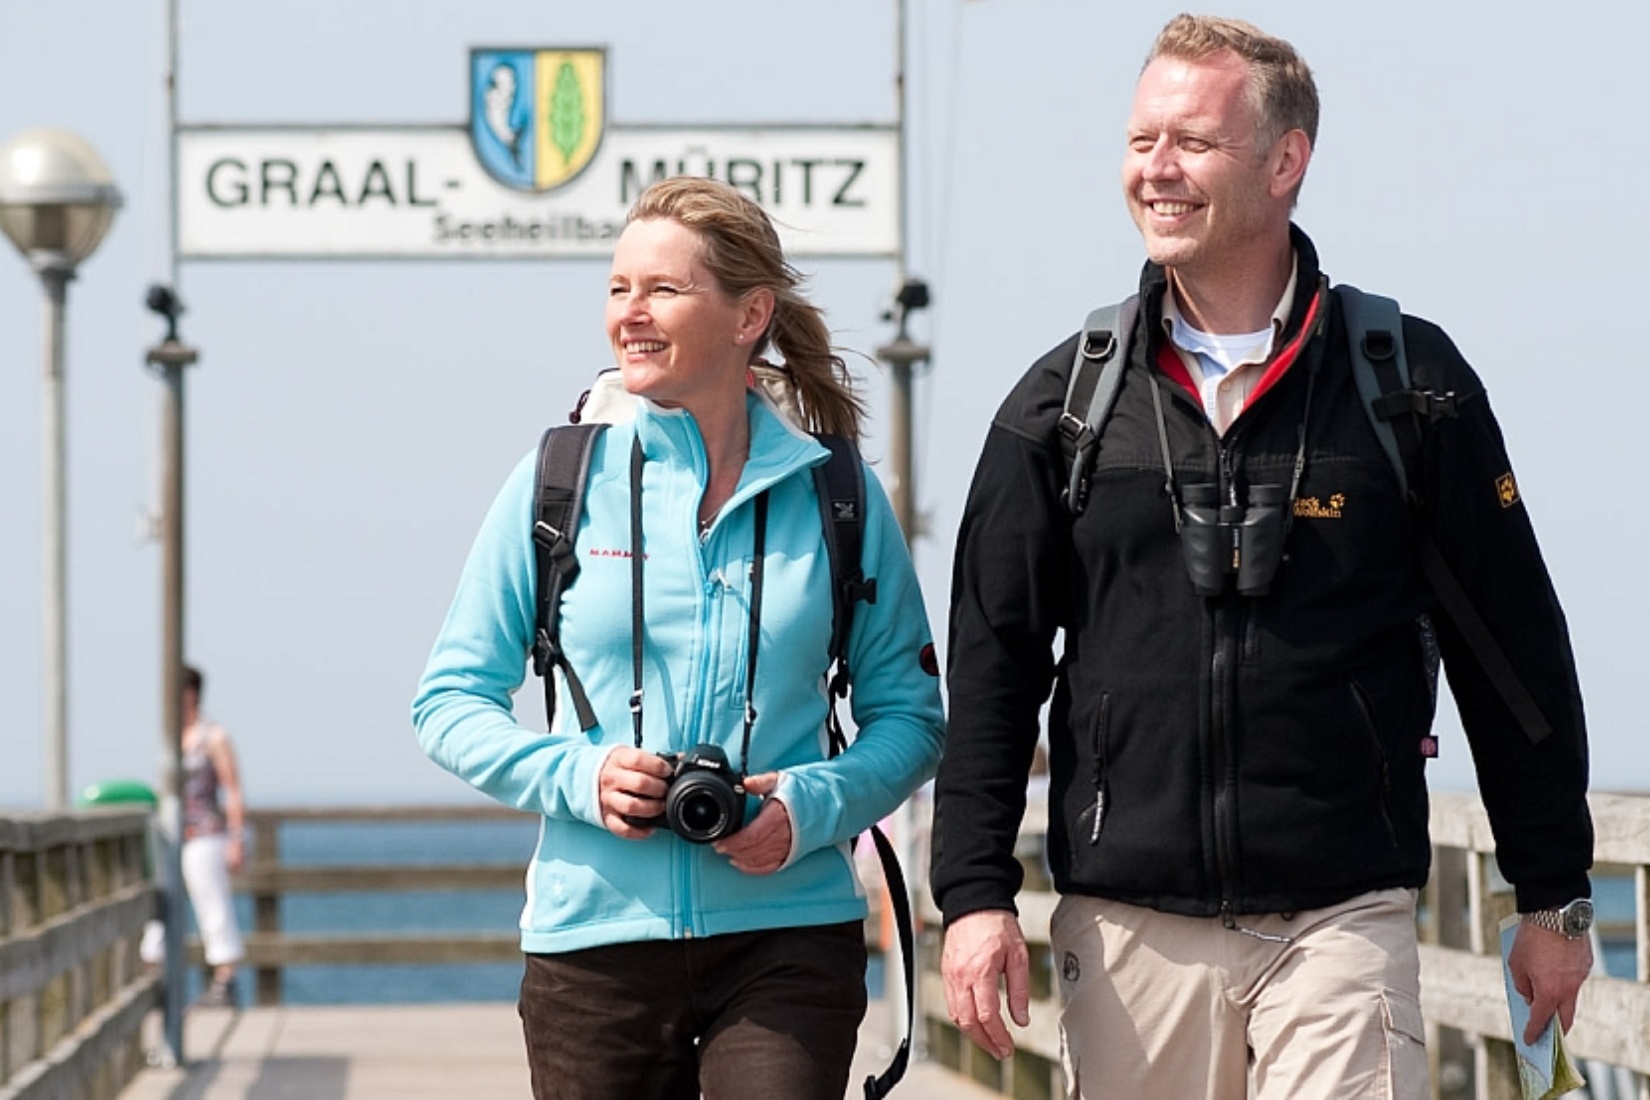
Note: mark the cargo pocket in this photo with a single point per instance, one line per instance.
(1405, 1073)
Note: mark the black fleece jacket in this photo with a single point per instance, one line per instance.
(1246, 754)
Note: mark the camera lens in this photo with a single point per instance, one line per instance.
(701, 814)
(702, 806)
(705, 802)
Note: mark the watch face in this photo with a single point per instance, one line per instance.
(1577, 917)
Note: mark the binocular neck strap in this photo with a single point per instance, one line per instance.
(1169, 486)
(637, 618)
(1173, 488)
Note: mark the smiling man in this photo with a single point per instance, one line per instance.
(1250, 643)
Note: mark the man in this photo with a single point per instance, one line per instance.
(1238, 815)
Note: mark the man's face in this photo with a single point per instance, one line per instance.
(1197, 185)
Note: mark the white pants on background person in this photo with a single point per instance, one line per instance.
(206, 877)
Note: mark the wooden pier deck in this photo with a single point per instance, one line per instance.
(410, 1052)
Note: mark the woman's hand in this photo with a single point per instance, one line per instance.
(632, 783)
(761, 847)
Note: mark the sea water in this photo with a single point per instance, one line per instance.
(499, 911)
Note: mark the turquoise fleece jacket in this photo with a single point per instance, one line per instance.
(587, 887)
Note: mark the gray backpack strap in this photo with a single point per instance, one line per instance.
(1102, 356)
(1398, 412)
(1375, 328)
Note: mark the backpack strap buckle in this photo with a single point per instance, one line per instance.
(546, 653)
(1099, 344)
(559, 548)
(1429, 405)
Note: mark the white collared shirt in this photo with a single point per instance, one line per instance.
(1224, 364)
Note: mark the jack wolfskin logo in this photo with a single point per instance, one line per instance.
(844, 511)
(536, 116)
(1506, 489)
(1313, 508)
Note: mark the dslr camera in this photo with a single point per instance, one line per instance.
(705, 800)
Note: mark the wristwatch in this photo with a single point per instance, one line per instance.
(1571, 921)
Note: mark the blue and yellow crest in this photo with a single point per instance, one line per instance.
(536, 116)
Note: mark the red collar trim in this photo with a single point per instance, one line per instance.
(1170, 363)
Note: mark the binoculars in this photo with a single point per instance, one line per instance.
(1227, 544)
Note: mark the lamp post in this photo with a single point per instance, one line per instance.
(168, 359)
(57, 200)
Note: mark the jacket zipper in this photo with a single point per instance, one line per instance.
(1101, 732)
(1367, 711)
(1227, 632)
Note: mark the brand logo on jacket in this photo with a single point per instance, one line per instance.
(536, 116)
(1506, 489)
(1313, 508)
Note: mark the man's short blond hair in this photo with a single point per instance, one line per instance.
(1281, 89)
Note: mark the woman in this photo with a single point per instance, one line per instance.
(212, 832)
(658, 967)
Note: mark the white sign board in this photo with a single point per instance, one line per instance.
(421, 192)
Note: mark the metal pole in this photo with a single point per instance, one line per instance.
(170, 357)
(902, 497)
(55, 273)
(902, 494)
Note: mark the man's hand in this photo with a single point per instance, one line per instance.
(1547, 970)
(763, 846)
(981, 949)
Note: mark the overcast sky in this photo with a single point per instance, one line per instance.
(350, 421)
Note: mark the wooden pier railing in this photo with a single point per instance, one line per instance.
(74, 895)
(1462, 991)
(266, 878)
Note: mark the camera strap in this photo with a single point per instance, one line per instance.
(899, 896)
(638, 617)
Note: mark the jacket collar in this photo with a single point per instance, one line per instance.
(778, 447)
(1154, 283)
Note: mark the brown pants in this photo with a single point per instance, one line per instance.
(1324, 1004)
(752, 1015)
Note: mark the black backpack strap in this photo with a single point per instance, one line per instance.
(839, 483)
(899, 896)
(1102, 356)
(1399, 412)
(558, 502)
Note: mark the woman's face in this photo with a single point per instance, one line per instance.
(676, 335)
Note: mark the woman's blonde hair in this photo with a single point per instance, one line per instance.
(741, 250)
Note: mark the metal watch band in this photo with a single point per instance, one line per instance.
(1572, 921)
(1550, 919)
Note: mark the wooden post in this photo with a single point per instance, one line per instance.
(266, 903)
